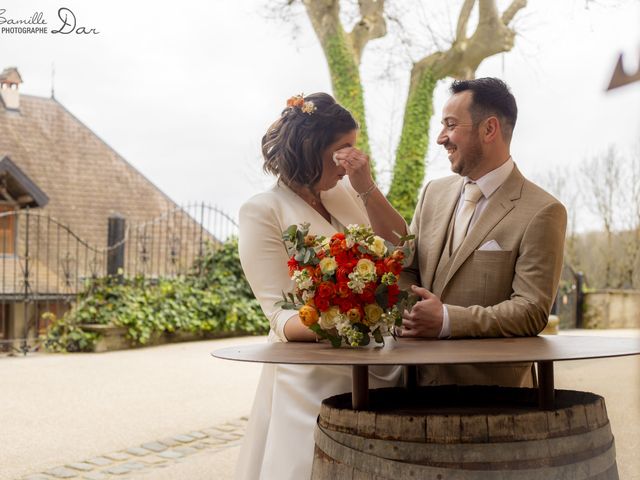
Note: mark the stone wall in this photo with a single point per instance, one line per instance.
(612, 309)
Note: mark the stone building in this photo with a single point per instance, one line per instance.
(59, 184)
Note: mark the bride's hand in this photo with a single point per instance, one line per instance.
(356, 164)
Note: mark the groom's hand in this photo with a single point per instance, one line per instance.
(425, 318)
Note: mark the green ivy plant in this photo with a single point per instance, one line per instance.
(214, 297)
(347, 87)
(409, 169)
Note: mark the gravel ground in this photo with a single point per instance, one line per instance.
(58, 409)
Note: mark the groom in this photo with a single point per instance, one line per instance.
(489, 243)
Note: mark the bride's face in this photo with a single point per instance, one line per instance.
(332, 173)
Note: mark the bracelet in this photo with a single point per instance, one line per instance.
(365, 195)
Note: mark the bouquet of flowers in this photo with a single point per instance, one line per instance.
(346, 286)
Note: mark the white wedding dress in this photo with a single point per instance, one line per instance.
(279, 440)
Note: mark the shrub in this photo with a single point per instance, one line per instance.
(214, 297)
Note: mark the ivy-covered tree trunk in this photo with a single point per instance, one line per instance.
(409, 168)
(343, 52)
(346, 83)
(460, 61)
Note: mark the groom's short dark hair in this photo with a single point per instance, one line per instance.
(490, 96)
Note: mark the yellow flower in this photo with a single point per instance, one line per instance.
(328, 265)
(378, 246)
(353, 315)
(372, 313)
(328, 318)
(308, 315)
(366, 268)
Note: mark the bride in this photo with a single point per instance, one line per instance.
(324, 180)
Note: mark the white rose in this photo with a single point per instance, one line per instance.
(329, 318)
(372, 312)
(378, 247)
(328, 265)
(366, 269)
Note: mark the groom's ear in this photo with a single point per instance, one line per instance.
(490, 129)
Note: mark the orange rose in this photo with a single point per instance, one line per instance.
(322, 303)
(309, 239)
(343, 289)
(345, 304)
(312, 272)
(337, 247)
(354, 315)
(308, 315)
(393, 266)
(368, 295)
(295, 101)
(325, 290)
(398, 256)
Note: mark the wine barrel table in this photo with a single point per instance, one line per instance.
(457, 432)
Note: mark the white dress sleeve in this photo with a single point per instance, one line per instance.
(264, 260)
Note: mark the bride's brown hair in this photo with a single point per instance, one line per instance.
(293, 145)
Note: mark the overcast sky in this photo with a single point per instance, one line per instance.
(185, 90)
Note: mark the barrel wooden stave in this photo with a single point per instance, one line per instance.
(573, 442)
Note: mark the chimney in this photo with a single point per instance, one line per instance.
(9, 81)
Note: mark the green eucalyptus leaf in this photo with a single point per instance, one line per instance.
(307, 255)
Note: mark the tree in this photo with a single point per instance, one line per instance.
(601, 180)
(343, 51)
(559, 182)
(631, 221)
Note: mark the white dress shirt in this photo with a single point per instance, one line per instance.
(488, 184)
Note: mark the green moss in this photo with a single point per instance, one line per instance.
(347, 85)
(409, 168)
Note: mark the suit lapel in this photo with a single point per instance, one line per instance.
(499, 204)
(437, 237)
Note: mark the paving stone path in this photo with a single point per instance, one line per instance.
(144, 458)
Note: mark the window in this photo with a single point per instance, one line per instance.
(7, 231)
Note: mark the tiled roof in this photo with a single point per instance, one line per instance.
(84, 178)
(86, 181)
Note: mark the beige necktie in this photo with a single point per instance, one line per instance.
(472, 195)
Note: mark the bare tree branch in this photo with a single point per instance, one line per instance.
(462, 59)
(463, 19)
(511, 11)
(488, 12)
(371, 25)
(324, 16)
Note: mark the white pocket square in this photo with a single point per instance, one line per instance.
(491, 246)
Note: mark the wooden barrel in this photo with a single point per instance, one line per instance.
(464, 432)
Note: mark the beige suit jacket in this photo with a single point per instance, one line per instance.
(505, 293)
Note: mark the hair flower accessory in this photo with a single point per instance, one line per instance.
(298, 101)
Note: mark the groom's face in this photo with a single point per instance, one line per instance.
(459, 136)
